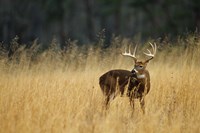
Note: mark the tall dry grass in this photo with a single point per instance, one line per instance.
(54, 94)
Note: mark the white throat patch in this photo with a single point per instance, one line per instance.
(140, 76)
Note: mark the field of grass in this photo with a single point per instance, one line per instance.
(58, 95)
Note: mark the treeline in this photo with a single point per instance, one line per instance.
(32, 53)
(82, 19)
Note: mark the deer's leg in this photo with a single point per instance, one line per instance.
(108, 99)
(107, 102)
(106, 91)
(122, 90)
(132, 103)
(142, 104)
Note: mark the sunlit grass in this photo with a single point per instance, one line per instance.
(63, 95)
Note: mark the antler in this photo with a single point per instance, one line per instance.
(129, 53)
(151, 54)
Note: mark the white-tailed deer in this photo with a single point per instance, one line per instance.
(137, 81)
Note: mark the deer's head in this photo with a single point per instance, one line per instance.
(140, 66)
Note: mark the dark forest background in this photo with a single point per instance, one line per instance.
(83, 19)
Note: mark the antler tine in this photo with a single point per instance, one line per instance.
(154, 47)
(129, 53)
(129, 49)
(151, 54)
(135, 50)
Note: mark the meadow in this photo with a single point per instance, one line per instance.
(59, 92)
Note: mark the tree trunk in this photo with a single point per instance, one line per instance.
(89, 19)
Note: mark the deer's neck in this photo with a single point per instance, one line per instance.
(141, 74)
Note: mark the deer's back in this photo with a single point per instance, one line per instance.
(110, 79)
(107, 77)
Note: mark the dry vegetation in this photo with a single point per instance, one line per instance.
(59, 92)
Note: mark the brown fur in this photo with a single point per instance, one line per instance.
(138, 79)
(115, 81)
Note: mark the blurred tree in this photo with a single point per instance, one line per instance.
(55, 13)
(23, 22)
(195, 5)
(89, 18)
(82, 19)
(112, 8)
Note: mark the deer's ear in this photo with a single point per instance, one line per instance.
(135, 61)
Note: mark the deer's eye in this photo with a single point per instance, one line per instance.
(141, 66)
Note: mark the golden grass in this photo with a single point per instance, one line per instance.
(53, 96)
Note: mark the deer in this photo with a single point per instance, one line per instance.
(136, 82)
